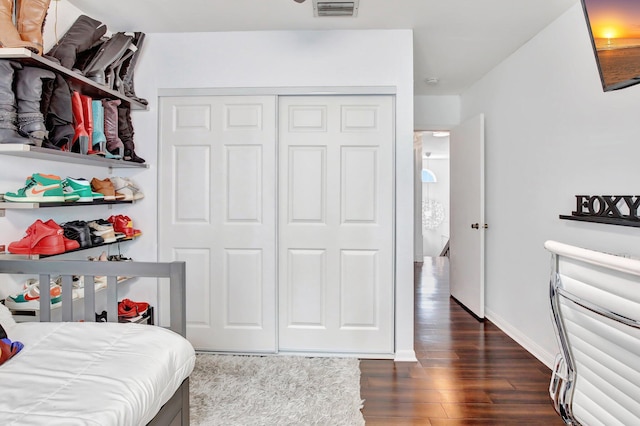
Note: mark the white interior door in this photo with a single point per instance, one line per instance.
(217, 212)
(466, 249)
(336, 223)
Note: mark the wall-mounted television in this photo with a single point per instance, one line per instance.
(614, 26)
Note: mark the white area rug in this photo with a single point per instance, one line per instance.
(275, 390)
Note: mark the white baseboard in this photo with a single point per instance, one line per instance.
(533, 348)
(405, 356)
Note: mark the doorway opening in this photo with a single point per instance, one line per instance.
(433, 192)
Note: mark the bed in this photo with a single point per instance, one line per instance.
(90, 373)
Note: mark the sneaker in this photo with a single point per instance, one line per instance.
(129, 309)
(124, 186)
(124, 224)
(69, 194)
(39, 188)
(79, 230)
(29, 298)
(99, 283)
(69, 244)
(136, 232)
(40, 239)
(105, 187)
(82, 188)
(103, 229)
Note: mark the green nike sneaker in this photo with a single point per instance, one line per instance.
(39, 188)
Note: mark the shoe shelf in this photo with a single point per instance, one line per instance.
(27, 315)
(9, 205)
(11, 256)
(30, 151)
(89, 87)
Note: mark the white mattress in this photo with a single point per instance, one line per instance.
(91, 373)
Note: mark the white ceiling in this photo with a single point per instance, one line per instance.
(455, 41)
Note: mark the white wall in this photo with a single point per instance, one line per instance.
(436, 112)
(551, 133)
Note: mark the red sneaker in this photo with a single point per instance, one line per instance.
(69, 244)
(40, 239)
(120, 225)
(124, 224)
(129, 309)
(136, 232)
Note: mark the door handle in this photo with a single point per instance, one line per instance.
(477, 226)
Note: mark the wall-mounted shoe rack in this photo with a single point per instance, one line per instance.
(30, 151)
(88, 87)
(44, 256)
(80, 83)
(8, 205)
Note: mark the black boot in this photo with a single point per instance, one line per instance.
(100, 69)
(125, 131)
(58, 118)
(124, 75)
(8, 129)
(29, 94)
(83, 34)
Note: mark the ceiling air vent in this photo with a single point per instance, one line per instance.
(335, 7)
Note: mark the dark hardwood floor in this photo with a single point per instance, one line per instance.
(468, 372)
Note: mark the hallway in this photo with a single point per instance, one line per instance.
(468, 372)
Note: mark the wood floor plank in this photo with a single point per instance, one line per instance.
(468, 372)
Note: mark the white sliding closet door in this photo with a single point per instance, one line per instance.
(217, 213)
(336, 224)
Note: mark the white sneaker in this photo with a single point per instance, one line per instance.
(103, 229)
(126, 187)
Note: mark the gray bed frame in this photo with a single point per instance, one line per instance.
(176, 411)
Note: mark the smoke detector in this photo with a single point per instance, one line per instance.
(322, 8)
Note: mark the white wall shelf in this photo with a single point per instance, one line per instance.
(8, 205)
(11, 256)
(75, 79)
(30, 151)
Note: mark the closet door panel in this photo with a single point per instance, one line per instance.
(336, 198)
(217, 199)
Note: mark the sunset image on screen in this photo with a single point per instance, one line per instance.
(615, 30)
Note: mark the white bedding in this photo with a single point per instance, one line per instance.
(91, 373)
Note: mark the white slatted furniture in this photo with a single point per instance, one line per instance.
(595, 303)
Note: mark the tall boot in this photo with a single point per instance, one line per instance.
(58, 114)
(30, 16)
(87, 114)
(124, 74)
(83, 34)
(99, 139)
(111, 51)
(28, 83)
(80, 138)
(125, 131)
(9, 35)
(8, 129)
(114, 143)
